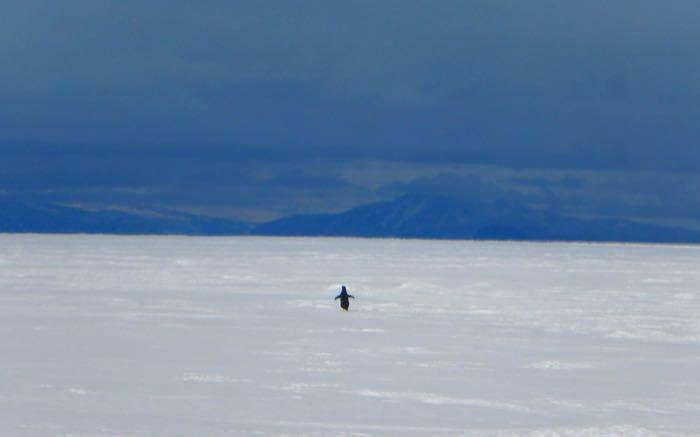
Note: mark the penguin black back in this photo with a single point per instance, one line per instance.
(344, 298)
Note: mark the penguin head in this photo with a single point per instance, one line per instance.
(344, 288)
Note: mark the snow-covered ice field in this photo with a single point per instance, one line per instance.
(170, 336)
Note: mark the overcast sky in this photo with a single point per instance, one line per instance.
(257, 109)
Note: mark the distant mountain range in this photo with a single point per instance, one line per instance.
(18, 216)
(409, 216)
(422, 216)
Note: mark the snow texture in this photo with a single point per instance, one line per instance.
(182, 336)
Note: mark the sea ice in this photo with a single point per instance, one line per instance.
(115, 335)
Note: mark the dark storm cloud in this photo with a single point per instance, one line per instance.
(178, 98)
(596, 84)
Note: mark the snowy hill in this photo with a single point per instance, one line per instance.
(443, 217)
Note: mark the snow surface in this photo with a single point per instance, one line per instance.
(106, 335)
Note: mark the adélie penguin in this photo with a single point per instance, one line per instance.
(344, 298)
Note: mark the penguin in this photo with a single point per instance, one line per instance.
(344, 301)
